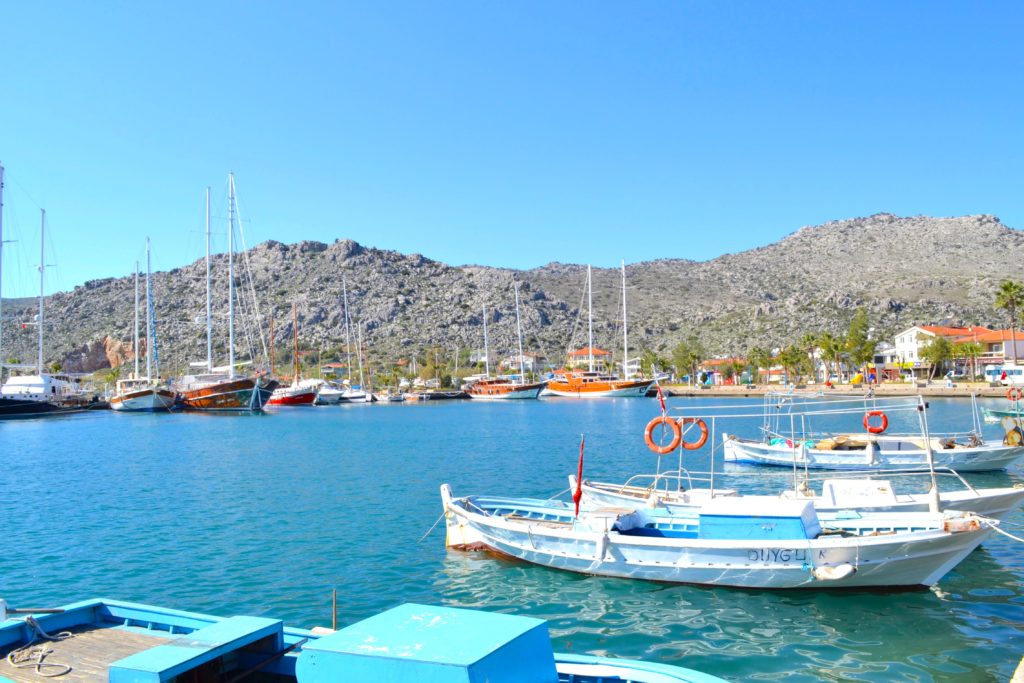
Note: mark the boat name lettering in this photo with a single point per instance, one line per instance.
(777, 555)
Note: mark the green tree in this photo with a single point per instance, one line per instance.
(687, 355)
(858, 343)
(758, 358)
(831, 351)
(1010, 297)
(937, 352)
(809, 342)
(794, 359)
(970, 350)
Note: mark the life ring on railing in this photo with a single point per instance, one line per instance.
(694, 445)
(876, 428)
(1014, 394)
(677, 434)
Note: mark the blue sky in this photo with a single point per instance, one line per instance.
(506, 134)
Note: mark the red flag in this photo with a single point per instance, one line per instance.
(577, 495)
(661, 398)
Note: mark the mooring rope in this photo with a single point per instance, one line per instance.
(994, 525)
(27, 655)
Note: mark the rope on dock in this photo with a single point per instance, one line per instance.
(28, 655)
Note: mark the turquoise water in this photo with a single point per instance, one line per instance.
(267, 514)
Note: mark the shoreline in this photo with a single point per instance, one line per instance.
(935, 390)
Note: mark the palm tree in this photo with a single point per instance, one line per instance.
(831, 347)
(1010, 296)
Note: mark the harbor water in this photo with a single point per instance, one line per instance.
(268, 514)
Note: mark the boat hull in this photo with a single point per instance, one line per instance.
(601, 389)
(240, 394)
(145, 400)
(962, 459)
(17, 408)
(292, 397)
(504, 391)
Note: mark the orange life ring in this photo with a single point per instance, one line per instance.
(878, 428)
(1014, 394)
(677, 434)
(694, 445)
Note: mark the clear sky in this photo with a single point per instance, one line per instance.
(500, 133)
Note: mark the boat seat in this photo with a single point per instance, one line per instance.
(204, 645)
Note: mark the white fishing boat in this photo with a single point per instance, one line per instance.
(738, 542)
(674, 493)
(871, 451)
(144, 394)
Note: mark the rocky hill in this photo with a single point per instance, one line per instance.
(902, 270)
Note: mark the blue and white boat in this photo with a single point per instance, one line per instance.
(123, 642)
(739, 542)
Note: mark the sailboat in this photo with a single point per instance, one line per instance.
(301, 392)
(41, 394)
(591, 383)
(353, 393)
(143, 394)
(501, 388)
(222, 389)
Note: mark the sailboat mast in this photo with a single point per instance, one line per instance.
(272, 353)
(590, 320)
(1, 267)
(359, 353)
(149, 317)
(42, 269)
(625, 334)
(519, 335)
(295, 342)
(348, 335)
(231, 275)
(487, 354)
(209, 317)
(136, 347)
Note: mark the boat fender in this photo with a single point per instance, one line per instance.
(694, 445)
(666, 421)
(876, 428)
(834, 573)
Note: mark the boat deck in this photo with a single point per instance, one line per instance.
(89, 652)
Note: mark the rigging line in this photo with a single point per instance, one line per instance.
(252, 287)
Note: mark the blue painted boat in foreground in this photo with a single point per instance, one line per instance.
(125, 642)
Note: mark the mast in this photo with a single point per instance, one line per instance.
(136, 347)
(42, 269)
(590, 320)
(359, 353)
(209, 318)
(487, 355)
(231, 275)
(519, 335)
(272, 354)
(625, 334)
(149, 317)
(295, 343)
(348, 336)
(1, 266)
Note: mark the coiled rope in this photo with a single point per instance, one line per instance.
(33, 655)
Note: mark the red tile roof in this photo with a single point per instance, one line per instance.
(986, 335)
(941, 331)
(586, 351)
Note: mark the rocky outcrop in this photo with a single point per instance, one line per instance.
(902, 270)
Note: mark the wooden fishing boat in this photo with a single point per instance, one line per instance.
(122, 642)
(589, 384)
(141, 395)
(218, 392)
(499, 388)
(727, 542)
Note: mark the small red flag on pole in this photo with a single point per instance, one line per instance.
(661, 398)
(577, 495)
